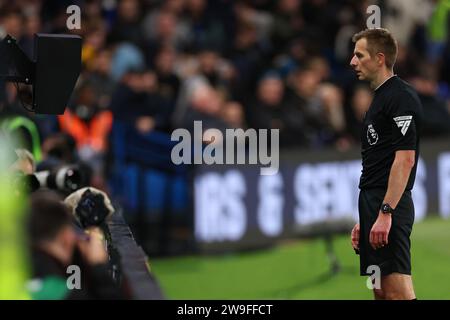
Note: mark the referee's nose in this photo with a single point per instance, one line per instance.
(353, 62)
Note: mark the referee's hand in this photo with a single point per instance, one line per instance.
(355, 237)
(380, 231)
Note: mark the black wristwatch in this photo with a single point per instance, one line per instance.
(386, 208)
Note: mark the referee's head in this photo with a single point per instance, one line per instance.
(375, 52)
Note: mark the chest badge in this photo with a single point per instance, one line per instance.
(372, 135)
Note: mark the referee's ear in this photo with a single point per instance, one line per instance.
(381, 59)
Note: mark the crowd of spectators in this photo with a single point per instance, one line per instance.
(263, 64)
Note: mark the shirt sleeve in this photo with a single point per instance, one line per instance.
(403, 117)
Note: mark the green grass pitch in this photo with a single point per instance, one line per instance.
(300, 270)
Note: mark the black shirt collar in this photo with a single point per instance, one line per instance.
(385, 81)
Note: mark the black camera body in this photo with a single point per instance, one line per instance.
(91, 209)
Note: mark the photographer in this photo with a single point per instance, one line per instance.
(55, 245)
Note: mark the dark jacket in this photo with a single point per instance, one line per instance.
(50, 279)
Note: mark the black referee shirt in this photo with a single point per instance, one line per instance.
(392, 123)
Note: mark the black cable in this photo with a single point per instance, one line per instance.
(29, 109)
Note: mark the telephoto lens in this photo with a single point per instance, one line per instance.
(66, 178)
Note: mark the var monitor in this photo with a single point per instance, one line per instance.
(52, 72)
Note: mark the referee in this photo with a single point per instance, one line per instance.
(390, 149)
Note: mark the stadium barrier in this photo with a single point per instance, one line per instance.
(134, 264)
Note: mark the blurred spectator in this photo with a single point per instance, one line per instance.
(263, 21)
(272, 111)
(249, 58)
(404, 66)
(436, 115)
(85, 121)
(306, 108)
(293, 58)
(99, 79)
(359, 103)
(331, 98)
(205, 104)
(128, 24)
(125, 57)
(168, 80)
(233, 115)
(55, 16)
(288, 22)
(94, 41)
(137, 102)
(90, 126)
(165, 27)
(59, 148)
(401, 17)
(216, 70)
(92, 11)
(32, 26)
(320, 66)
(204, 27)
(12, 22)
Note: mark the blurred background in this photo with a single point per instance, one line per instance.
(223, 231)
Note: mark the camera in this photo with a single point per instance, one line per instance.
(91, 209)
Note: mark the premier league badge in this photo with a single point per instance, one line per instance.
(372, 135)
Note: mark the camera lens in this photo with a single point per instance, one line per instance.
(72, 180)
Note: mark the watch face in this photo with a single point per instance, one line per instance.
(386, 208)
